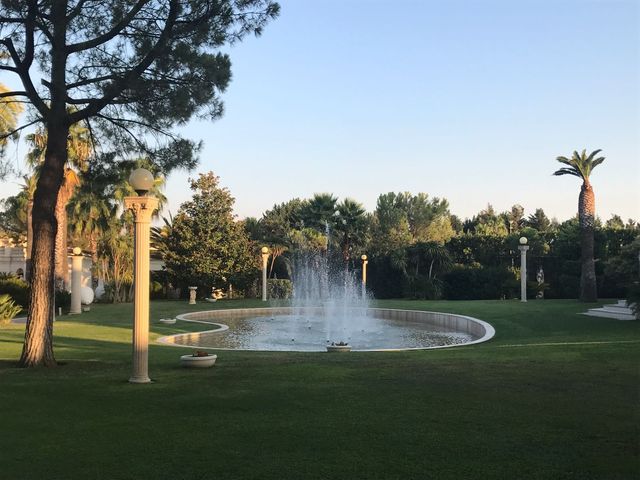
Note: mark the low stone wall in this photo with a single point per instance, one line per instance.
(479, 330)
(233, 313)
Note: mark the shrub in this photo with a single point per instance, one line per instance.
(279, 288)
(475, 282)
(123, 294)
(8, 309)
(384, 280)
(63, 299)
(16, 288)
(156, 290)
(567, 286)
(423, 288)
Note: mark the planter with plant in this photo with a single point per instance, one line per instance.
(339, 347)
(198, 359)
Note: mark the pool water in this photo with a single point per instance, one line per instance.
(311, 333)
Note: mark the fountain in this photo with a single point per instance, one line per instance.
(330, 311)
(330, 296)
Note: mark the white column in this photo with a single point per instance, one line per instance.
(142, 208)
(76, 281)
(523, 272)
(364, 275)
(265, 260)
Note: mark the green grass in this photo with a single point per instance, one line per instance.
(554, 395)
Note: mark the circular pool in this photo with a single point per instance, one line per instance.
(309, 330)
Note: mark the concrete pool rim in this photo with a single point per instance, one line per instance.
(480, 330)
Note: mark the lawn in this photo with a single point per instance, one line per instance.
(554, 395)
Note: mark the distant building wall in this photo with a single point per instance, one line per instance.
(12, 260)
(156, 264)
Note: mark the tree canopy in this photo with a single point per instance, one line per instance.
(134, 67)
(131, 70)
(205, 245)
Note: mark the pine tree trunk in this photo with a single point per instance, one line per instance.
(38, 341)
(586, 215)
(38, 338)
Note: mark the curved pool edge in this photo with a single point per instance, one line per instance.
(463, 323)
(170, 340)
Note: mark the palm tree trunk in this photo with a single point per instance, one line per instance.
(27, 270)
(345, 249)
(93, 246)
(586, 215)
(62, 267)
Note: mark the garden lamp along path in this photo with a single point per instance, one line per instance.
(142, 207)
(523, 247)
(264, 251)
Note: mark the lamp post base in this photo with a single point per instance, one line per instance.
(139, 380)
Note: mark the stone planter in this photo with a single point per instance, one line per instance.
(338, 348)
(190, 361)
(167, 321)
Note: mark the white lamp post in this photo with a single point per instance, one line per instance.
(76, 281)
(265, 258)
(523, 247)
(142, 207)
(364, 275)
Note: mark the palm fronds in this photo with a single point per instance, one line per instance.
(580, 164)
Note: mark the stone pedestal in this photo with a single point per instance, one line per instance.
(192, 295)
(76, 282)
(142, 208)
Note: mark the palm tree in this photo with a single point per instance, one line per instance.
(433, 254)
(581, 166)
(123, 188)
(159, 235)
(319, 212)
(93, 210)
(80, 148)
(10, 110)
(89, 212)
(351, 223)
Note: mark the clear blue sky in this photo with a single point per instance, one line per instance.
(467, 100)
